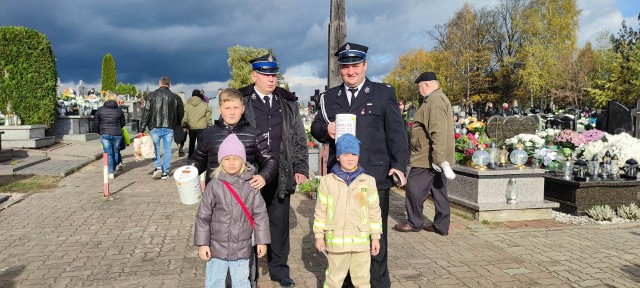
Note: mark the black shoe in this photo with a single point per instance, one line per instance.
(164, 176)
(180, 153)
(287, 282)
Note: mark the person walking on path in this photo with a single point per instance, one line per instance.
(432, 155)
(380, 128)
(232, 215)
(274, 112)
(108, 121)
(197, 117)
(162, 112)
(347, 217)
(180, 133)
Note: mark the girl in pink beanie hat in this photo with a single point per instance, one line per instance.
(240, 215)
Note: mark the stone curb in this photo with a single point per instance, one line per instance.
(22, 197)
(616, 226)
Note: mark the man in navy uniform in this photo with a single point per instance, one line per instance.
(380, 129)
(274, 111)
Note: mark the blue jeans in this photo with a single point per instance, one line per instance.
(111, 146)
(166, 135)
(217, 273)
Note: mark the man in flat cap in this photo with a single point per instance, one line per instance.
(432, 154)
(379, 127)
(274, 111)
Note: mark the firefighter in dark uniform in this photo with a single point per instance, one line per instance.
(274, 111)
(379, 127)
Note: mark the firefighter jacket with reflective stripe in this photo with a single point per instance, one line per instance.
(347, 217)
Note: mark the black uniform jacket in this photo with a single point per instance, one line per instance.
(379, 127)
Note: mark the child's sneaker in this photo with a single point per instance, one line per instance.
(156, 173)
(120, 167)
(111, 176)
(165, 176)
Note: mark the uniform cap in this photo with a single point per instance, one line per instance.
(351, 53)
(266, 64)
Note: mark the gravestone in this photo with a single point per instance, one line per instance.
(635, 113)
(568, 121)
(619, 119)
(501, 128)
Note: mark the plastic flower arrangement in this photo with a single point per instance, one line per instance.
(569, 139)
(593, 135)
(623, 145)
(67, 95)
(531, 142)
(466, 145)
(546, 155)
(585, 124)
(548, 135)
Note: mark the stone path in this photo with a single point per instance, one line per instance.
(142, 237)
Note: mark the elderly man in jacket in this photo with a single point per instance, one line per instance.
(274, 111)
(162, 112)
(432, 154)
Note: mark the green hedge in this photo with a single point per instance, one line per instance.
(28, 75)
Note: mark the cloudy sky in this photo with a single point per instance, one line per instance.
(188, 40)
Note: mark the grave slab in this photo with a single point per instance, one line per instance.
(575, 197)
(483, 194)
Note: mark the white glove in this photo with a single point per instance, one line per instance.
(448, 172)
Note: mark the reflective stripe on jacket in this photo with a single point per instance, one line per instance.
(346, 216)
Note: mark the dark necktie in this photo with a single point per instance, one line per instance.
(266, 103)
(353, 94)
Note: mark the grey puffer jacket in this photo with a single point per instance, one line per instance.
(221, 223)
(294, 154)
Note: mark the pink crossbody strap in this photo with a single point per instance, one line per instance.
(244, 208)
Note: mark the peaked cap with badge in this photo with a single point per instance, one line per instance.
(266, 64)
(351, 53)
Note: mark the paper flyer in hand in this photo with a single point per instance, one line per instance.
(345, 123)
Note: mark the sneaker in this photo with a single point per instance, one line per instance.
(111, 176)
(156, 173)
(165, 176)
(120, 167)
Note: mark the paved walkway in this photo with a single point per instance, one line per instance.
(142, 237)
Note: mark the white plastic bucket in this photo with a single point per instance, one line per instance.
(188, 183)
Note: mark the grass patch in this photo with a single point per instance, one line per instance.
(485, 222)
(27, 183)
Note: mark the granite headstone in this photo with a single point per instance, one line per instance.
(619, 119)
(502, 128)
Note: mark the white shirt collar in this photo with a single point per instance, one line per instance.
(346, 89)
(262, 96)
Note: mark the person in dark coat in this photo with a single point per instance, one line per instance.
(205, 156)
(274, 111)
(162, 112)
(108, 121)
(379, 126)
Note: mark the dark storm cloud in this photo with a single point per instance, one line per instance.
(188, 40)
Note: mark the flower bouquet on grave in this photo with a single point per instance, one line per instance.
(569, 139)
(530, 142)
(466, 145)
